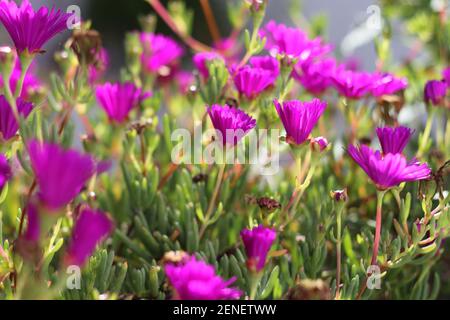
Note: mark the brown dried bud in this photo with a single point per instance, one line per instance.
(87, 45)
(268, 204)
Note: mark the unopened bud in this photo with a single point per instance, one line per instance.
(268, 205)
(319, 144)
(339, 195)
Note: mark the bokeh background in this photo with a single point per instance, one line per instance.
(338, 18)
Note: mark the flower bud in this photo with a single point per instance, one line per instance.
(257, 5)
(319, 144)
(86, 44)
(435, 92)
(339, 195)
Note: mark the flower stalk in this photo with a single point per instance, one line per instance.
(339, 211)
(212, 201)
(376, 243)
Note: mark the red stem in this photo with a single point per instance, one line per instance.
(376, 244)
(164, 14)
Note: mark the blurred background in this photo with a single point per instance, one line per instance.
(335, 19)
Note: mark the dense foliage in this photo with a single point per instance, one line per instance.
(92, 175)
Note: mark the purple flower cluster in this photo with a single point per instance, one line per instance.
(317, 72)
(293, 42)
(195, 280)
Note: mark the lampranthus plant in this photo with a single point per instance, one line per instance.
(105, 171)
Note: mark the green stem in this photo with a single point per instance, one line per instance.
(213, 199)
(257, 22)
(439, 132)
(338, 248)
(25, 62)
(10, 97)
(255, 279)
(426, 133)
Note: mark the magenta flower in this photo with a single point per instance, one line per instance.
(388, 170)
(8, 123)
(250, 81)
(446, 76)
(91, 227)
(267, 63)
(387, 84)
(394, 140)
(435, 92)
(195, 280)
(160, 53)
(316, 76)
(231, 124)
(97, 70)
(5, 171)
(201, 59)
(299, 118)
(257, 243)
(352, 84)
(293, 42)
(60, 174)
(29, 29)
(118, 99)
